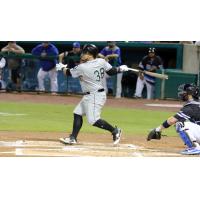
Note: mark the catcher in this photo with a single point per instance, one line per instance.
(186, 121)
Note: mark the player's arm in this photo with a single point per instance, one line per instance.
(180, 117)
(74, 72)
(112, 56)
(156, 132)
(5, 49)
(116, 70)
(158, 65)
(167, 123)
(101, 55)
(60, 57)
(18, 50)
(113, 71)
(153, 69)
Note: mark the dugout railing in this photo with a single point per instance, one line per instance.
(29, 68)
(132, 52)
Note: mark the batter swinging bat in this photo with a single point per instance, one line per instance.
(157, 75)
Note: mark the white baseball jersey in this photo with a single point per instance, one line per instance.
(91, 74)
(92, 77)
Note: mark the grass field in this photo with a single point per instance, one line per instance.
(58, 118)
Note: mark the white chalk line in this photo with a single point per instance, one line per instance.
(42, 148)
(11, 114)
(164, 105)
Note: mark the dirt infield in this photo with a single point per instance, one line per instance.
(47, 144)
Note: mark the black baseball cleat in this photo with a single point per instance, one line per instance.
(116, 135)
(68, 140)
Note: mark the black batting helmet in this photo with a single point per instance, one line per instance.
(188, 89)
(91, 49)
(152, 50)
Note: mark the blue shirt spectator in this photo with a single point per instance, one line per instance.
(46, 49)
(111, 52)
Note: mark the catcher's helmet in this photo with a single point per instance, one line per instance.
(91, 49)
(188, 89)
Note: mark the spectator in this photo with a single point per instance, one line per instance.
(112, 54)
(151, 63)
(129, 80)
(71, 58)
(14, 65)
(47, 65)
(2, 65)
(197, 43)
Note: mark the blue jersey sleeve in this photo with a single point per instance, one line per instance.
(54, 51)
(118, 52)
(103, 51)
(37, 50)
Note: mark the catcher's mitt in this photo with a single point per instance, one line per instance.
(153, 134)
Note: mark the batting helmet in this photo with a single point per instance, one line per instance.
(152, 50)
(188, 89)
(91, 49)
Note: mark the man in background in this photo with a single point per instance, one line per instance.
(14, 65)
(71, 58)
(112, 54)
(47, 65)
(151, 63)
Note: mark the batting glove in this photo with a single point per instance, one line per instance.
(123, 68)
(60, 67)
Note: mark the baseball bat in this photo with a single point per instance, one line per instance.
(156, 75)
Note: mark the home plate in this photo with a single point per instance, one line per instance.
(165, 105)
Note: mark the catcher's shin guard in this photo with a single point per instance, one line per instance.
(186, 139)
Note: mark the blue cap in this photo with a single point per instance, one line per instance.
(76, 45)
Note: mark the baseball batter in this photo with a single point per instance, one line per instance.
(91, 74)
(187, 120)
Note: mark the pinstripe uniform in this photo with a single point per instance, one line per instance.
(91, 75)
(189, 115)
